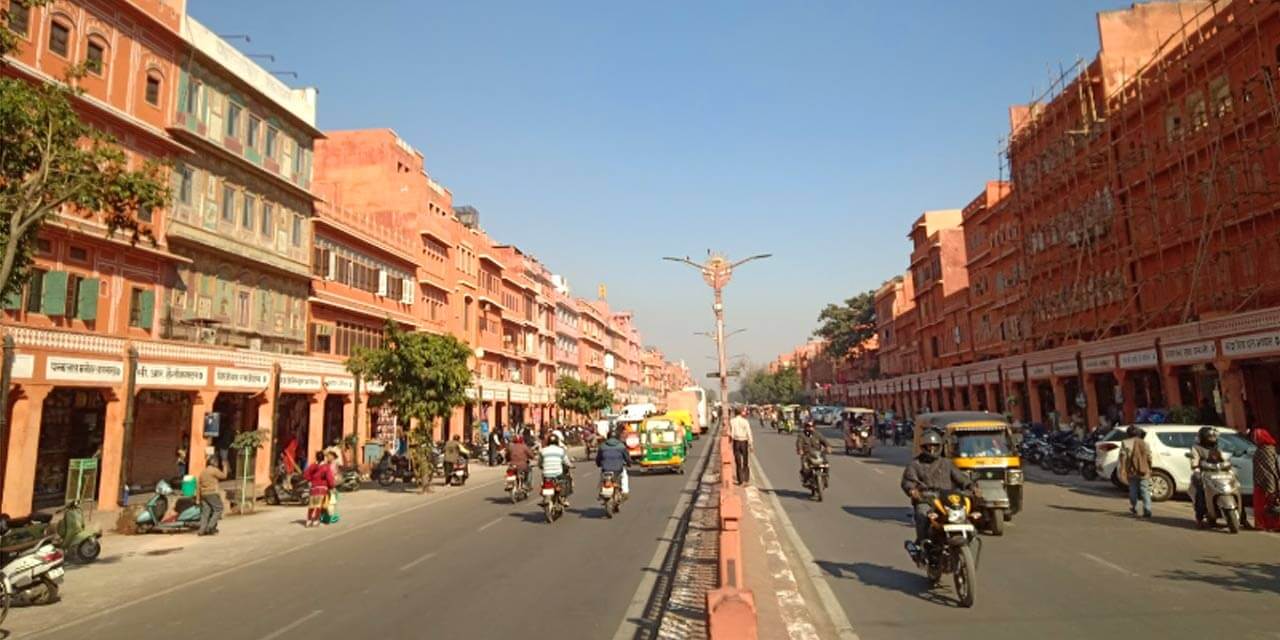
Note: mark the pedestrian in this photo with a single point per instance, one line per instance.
(320, 475)
(182, 456)
(495, 442)
(330, 514)
(1135, 470)
(211, 496)
(1266, 482)
(740, 435)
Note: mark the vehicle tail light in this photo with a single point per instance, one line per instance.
(511, 472)
(51, 556)
(548, 484)
(1107, 446)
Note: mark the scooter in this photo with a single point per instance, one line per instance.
(457, 474)
(32, 576)
(79, 540)
(1221, 492)
(349, 480)
(286, 487)
(151, 517)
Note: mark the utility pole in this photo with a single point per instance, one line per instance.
(716, 272)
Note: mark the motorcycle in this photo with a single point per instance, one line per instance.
(29, 577)
(391, 468)
(79, 541)
(517, 484)
(1221, 493)
(816, 475)
(862, 441)
(553, 498)
(349, 479)
(1087, 458)
(457, 473)
(1062, 456)
(285, 487)
(151, 517)
(610, 493)
(953, 545)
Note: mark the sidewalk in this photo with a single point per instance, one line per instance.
(133, 567)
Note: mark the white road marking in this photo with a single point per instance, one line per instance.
(285, 629)
(418, 561)
(489, 524)
(1108, 564)
(791, 604)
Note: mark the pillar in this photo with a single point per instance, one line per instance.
(1231, 379)
(112, 450)
(1129, 405)
(201, 403)
(1060, 403)
(360, 426)
(1090, 385)
(1169, 384)
(263, 464)
(1033, 398)
(27, 409)
(315, 424)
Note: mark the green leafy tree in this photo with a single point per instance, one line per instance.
(579, 397)
(846, 326)
(52, 161)
(424, 375)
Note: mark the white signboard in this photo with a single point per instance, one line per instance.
(24, 366)
(946, 382)
(1189, 353)
(962, 381)
(299, 382)
(1013, 374)
(1138, 359)
(83, 369)
(1040, 371)
(993, 377)
(1250, 345)
(172, 375)
(339, 385)
(374, 386)
(1065, 368)
(1098, 364)
(243, 378)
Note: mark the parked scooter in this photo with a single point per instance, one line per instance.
(286, 487)
(349, 480)
(151, 517)
(31, 576)
(1221, 492)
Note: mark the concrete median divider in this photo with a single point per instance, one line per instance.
(731, 608)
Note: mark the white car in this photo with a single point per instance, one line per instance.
(1170, 467)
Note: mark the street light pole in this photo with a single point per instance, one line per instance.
(716, 272)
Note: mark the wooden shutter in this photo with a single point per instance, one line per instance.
(13, 300)
(382, 283)
(146, 308)
(53, 300)
(87, 299)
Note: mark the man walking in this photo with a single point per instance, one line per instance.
(211, 496)
(1135, 470)
(740, 435)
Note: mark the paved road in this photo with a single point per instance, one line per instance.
(1074, 564)
(469, 566)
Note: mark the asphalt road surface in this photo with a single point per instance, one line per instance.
(472, 566)
(1073, 564)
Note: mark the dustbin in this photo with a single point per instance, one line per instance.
(372, 452)
(189, 486)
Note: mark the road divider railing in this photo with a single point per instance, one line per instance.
(731, 608)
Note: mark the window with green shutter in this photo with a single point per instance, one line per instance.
(35, 288)
(142, 305)
(87, 299)
(53, 300)
(13, 300)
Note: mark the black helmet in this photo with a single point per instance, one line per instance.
(1208, 437)
(930, 438)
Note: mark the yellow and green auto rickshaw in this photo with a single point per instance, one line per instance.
(982, 445)
(684, 419)
(662, 439)
(629, 433)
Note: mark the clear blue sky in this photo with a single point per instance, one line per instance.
(602, 136)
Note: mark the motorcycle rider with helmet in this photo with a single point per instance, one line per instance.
(613, 457)
(807, 442)
(929, 471)
(1205, 448)
(556, 465)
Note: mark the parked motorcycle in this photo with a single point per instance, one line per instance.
(32, 576)
(79, 541)
(392, 467)
(1062, 455)
(287, 487)
(1221, 493)
(151, 517)
(553, 498)
(517, 484)
(816, 475)
(953, 545)
(610, 493)
(349, 479)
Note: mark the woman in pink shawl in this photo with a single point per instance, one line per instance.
(1266, 482)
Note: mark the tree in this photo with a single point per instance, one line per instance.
(51, 161)
(846, 326)
(579, 397)
(780, 387)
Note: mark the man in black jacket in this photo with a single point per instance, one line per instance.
(930, 472)
(613, 457)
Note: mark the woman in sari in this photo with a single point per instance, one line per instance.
(1266, 482)
(320, 475)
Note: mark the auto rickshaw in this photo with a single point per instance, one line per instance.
(788, 416)
(685, 420)
(981, 444)
(861, 421)
(629, 433)
(663, 443)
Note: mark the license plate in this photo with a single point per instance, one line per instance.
(607, 492)
(957, 528)
(56, 574)
(548, 492)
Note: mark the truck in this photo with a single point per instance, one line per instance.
(693, 400)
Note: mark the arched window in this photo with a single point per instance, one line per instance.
(95, 57)
(60, 36)
(153, 88)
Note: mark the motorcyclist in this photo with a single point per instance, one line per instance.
(808, 442)
(929, 471)
(556, 465)
(612, 457)
(1205, 448)
(518, 455)
(455, 453)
